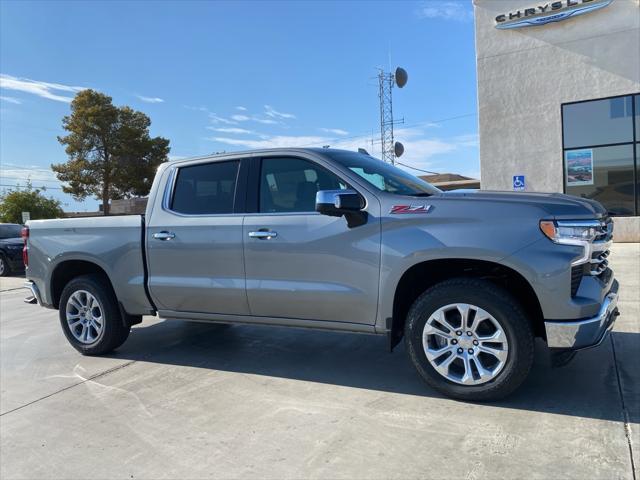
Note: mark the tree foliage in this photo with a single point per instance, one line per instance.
(14, 202)
(111, 154)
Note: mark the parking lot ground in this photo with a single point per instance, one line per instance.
(192, 400)
(12, 281)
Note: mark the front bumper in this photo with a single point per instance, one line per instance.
(585, 333)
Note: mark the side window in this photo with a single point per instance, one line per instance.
(205, 189)
(290, 184)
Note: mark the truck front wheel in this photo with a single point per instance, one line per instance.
(90, 317)
(470, 339)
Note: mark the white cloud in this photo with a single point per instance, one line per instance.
(277, 141)
(273, 113)
(150, 99)
(419, 149)
(335, 131)
(35, 87)
(199, 109)
(218, 119)
(10, 99)
(21, 173)
(459, 11)
(253, 118)
(240, 118)
(242, 131)
(469, 140)
(264, 121)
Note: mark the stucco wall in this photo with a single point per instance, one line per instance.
(525, 74)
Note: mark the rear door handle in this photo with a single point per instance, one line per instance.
(164, 235)
(263, 234)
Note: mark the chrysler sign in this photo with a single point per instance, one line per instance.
(548, 12)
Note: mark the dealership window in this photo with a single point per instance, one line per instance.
(601, 142)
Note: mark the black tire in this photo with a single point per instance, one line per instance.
(5, 269)
(505, 310)
(114, 332)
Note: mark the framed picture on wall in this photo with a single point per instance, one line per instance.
(579, 167)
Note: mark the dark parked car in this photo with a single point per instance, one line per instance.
(10, 249)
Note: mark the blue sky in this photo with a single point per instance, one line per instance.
(225, 76)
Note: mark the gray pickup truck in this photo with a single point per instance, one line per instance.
(339, 240)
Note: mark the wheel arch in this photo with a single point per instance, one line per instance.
(67, 270)
(421, 276)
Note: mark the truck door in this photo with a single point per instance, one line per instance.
(194, 241)
(301, 264)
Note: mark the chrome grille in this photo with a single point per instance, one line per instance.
(599, 262)
(605, 231)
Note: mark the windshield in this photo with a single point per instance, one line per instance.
(10, 231)
(383, 176)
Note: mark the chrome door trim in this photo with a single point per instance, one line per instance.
(263, 235)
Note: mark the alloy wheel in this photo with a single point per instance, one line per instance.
(465, 344)
(84, 317)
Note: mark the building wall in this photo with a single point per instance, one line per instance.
(525, 74)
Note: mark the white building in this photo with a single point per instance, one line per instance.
(559, 100)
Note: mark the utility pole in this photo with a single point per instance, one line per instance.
(390, 149)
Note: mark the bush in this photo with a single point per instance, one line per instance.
(28, 199)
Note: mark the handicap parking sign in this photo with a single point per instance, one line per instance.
(518, 182)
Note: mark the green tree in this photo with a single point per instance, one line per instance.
(15, 201)
(111, 154)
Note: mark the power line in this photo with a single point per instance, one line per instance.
(418, 169)
(27, 178)
(43, 187)
(418, 124)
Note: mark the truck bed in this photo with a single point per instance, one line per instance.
(115, 244)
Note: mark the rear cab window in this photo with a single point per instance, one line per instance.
(205, 189)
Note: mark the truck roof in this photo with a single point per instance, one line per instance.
(257, 152)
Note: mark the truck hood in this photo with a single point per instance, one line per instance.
(558, 205)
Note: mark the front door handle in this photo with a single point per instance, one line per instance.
(164, 235)
(263, 234)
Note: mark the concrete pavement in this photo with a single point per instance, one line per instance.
(193, 400)
(12, 281)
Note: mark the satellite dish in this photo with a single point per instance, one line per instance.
(398, 149)
(401, 77)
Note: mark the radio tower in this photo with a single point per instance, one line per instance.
(386, 81)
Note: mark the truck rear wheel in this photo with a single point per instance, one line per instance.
(90, 317)
(470, 339)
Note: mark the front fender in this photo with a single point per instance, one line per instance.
(409, 242)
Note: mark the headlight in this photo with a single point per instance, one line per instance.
(570, 232)
(579, 233)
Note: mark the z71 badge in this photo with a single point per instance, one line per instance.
(401, 209)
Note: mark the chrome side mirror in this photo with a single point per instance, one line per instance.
(338, 203)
